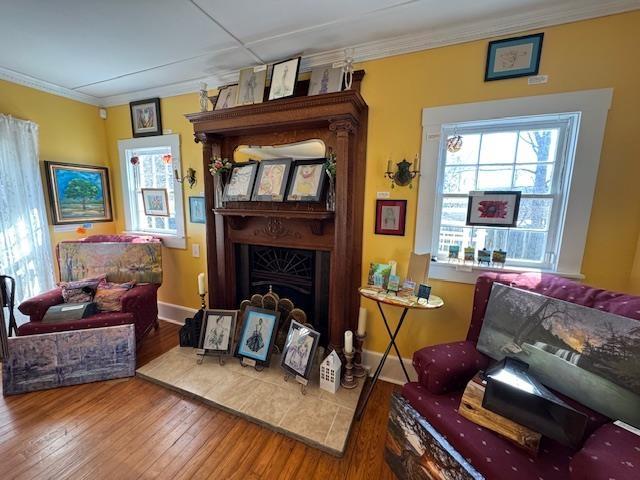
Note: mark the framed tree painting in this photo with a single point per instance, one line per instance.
(493, 209)
(78, 193)
(145, 117)
(391, 217)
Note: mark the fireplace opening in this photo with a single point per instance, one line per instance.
(299, 275)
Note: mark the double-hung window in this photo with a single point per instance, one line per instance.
(532, 155)
(147, 165)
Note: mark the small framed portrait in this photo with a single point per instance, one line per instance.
(251, 85)
(390, 217)
(271, 180)
(78, 193)
(258, 332)
(307, 181)
(299, 350)
(493, 209)
(156, 202)
(145, 117)
(325, 80)
(227, 97)
(513, 57)
(196, 210)
(216, 335)
(240, 185)
(284, 76)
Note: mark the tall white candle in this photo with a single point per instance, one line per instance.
(362, 321)
(201, 285)
(394, 266)
(348, 341)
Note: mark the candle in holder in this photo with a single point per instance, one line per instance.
(201, 284)
(348, 341)
(362, 321)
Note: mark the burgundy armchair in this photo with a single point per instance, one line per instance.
(139, 305)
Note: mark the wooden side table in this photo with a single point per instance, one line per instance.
(406, 303)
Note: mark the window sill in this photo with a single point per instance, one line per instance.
(467, 273)
(170, 241)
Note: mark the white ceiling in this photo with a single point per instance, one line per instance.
(108, 52)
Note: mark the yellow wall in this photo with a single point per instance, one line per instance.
(69, 131)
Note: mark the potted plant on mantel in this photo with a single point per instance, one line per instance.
(220, 169)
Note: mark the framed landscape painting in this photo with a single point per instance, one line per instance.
(78, 193)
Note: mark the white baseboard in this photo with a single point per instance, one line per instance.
(392, 371)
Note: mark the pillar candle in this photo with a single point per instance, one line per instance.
(389, 165)
(394, 266)
(348, 341)
(201, 285)
(362, 321)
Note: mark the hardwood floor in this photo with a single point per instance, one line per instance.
(130, 428)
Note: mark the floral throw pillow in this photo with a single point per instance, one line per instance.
(80, 291)
(109, 295)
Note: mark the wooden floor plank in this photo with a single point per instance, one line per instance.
(133, 429)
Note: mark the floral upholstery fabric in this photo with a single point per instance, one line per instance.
(94, 321)
(109, 295)
(80, 291)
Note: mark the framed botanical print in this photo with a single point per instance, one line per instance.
(258, 332)
(513, 57)
(325, 80)
(146, 120)
(299, 350)
(284, 76)
(307, 180)
(240, 185)
(251, 85)
(271, 181)
(493, 209)
(156, 202)
(78, 193)
(227, 97)
(218, 328)
(391, 217)
(196, 209)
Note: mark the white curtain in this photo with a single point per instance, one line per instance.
(25, 246)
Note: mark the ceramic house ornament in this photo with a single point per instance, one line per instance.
(330, 372)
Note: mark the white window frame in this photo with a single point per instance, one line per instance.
(593, 106)
(129, 193)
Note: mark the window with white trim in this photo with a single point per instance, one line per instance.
(533, 155)
(149, 163)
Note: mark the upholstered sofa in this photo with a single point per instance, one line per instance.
(426, 433)
(139, 305)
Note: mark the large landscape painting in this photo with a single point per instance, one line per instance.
(589, 355)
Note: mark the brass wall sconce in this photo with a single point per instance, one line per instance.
(404, 175)
(190, 177)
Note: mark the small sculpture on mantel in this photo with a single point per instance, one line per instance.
(204, 99)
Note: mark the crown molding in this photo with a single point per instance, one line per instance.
(462, 33)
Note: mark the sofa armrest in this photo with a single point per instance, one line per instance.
(37, 306)
(448, 366)
(140, 297)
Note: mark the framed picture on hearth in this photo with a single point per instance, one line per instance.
(299, 350)
(307, 181)
(493, 209)
(271, 181)
(257, 335)
(218, 328)
(240, 185)
(390, 217)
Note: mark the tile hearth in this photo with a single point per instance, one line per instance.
(319, 418)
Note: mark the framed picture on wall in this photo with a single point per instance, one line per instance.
(271, 181)
(391, 217)
(156, 202)
(307, 180)
(513, 57)
(284, 76)
(493, 209)
(146, 120)
(196, 209)
(78, 193)
(240, 185)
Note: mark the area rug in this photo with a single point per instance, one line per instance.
(319, 418)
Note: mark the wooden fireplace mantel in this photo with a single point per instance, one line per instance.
(340, 121)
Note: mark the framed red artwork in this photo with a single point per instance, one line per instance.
(391, 217)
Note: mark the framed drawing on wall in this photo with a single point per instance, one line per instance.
(146, 120)
(156, 202)
(196, 210)
(513, 57)
(78, 193)
(493, 209)
(391, 217)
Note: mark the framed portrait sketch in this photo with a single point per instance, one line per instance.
(284, 76)
(390, 217)
(146, 120)
(493, 209)
(513, 57)
(156, 202)
(240, 185)
(78, 193)
(216, 335)
(307, 181)
(251, 85)
(271, 181)
(227, 97)
(325, 80)
(258, 332)
(196, 209)
(299, 350)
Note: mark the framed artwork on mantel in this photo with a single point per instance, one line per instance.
(284, 76)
